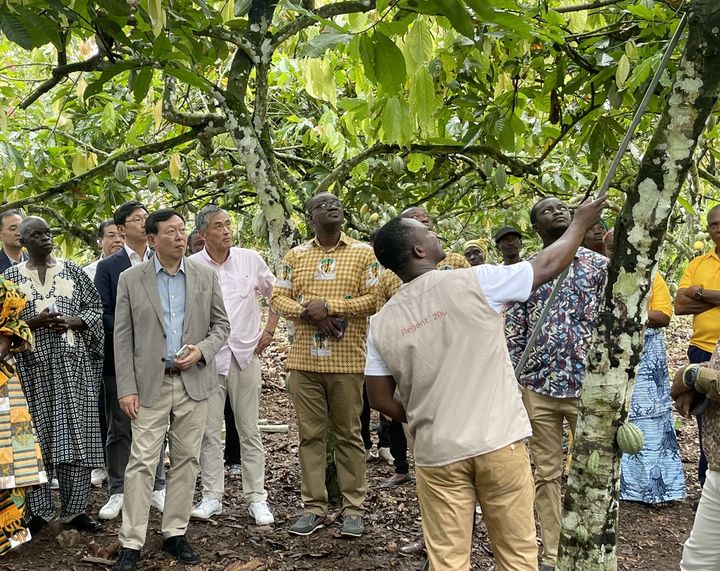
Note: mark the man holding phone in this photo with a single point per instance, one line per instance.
(171, 319)
(323, 283)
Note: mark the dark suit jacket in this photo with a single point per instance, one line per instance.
(106, 281)
(6, 262)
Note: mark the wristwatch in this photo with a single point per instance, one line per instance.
(699, 294)
(690, 376)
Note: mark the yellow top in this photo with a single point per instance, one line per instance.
(704, 271)
(346, 277)
(660, 299)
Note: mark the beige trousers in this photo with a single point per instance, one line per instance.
(187, 423)
(242, 386)
(323, 399)
(501, 481)
(546, 416)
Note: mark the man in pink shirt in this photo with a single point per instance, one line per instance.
(242, 274)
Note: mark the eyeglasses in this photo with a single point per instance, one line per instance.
(136, 220)
(327, 204)
(111, 236)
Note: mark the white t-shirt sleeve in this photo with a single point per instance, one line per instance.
(501, 284)
(374, 365)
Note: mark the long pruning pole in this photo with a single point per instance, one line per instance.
(605, 185)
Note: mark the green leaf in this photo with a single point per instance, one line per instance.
(318, 45)
(389, 64)
(189, 77)
(142, 84)
(682, 201)
(392, 120)
(422, 99)
(15, 31)
(454, 10)
(366, 48)
(108, 119)
(622, 71)
(319, 80)
(157, 16)
(96, 86)
(419, 44)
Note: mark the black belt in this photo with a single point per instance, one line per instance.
(173, 371)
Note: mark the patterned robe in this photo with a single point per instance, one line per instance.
(61, 373)
(21, 464)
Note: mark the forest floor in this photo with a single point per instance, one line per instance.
(651, 538)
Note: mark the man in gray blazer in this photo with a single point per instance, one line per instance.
(169, 323)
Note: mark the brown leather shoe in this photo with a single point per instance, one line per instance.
(412, 548)
(395, 480)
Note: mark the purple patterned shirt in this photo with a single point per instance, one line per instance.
(556, 366)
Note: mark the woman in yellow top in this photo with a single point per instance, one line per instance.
(654, 475)
(21, 465)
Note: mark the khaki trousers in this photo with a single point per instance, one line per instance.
(546, 416)
(501, 481)
(334, 400)
(187, 423)
(242, 386)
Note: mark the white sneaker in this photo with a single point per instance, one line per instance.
(261, 512)
(235, 470)
(207, 508)
(112, 508)
(384, 455)
(98, 476)
(158, 500)
(54, 484)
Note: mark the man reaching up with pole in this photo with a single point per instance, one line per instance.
(468, 430)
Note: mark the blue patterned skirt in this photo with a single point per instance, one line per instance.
(655, 474)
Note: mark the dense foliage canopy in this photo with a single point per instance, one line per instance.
(472, 109)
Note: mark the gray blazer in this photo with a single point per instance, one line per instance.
(139, 331)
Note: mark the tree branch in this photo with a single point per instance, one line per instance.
(589, 6)
(187, 119)
(226, 35)
(705, 175)
(105, 166)
(340, 173)
(94, 63)
(327, 11)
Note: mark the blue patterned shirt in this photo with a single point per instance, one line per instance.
(556, 366)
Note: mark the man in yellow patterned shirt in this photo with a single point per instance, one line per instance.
(327, 288)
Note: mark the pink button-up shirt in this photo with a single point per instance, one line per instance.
(242, 276)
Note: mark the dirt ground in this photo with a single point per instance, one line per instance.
(651, 538)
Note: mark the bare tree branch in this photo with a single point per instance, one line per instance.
(340, 173)
(105, 166)
(179, 118)
(705, 175)
(589, 6)
(226, 35)
(60, 72)
(327, 11)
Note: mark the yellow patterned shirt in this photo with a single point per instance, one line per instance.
(346, 277)
(390, 282)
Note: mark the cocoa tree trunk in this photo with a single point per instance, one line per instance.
(590, 521)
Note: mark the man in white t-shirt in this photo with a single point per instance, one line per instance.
(439, 345)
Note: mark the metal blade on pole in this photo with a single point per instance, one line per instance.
(605, 185)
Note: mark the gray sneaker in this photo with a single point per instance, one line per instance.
(307, 524)
(352, 526)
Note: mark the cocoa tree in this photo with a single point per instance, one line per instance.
(590, 521)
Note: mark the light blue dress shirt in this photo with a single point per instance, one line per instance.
(172, 299)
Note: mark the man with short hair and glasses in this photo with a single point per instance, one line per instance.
(327, 287)
(12, 250)
(170, 322)
(129, 220)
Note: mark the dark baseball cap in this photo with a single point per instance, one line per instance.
(506, 231)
